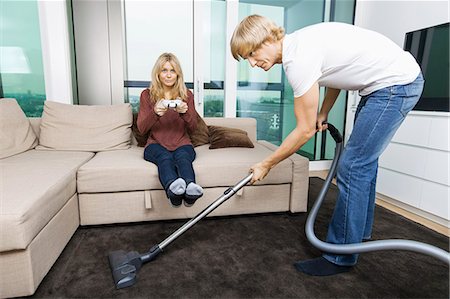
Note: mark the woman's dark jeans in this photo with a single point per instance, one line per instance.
(172, 164)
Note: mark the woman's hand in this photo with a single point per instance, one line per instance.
(182, 108)
(321, 124)
(159, 108)
(260, 170)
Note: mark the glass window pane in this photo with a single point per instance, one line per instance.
(152, 29)
(133, 94)
(344, 10)
(259, 92)
(265, 107)
(150, 33)
(213, 102)
(21, 67)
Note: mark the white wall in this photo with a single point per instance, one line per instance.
(414, 170)
(98, 46)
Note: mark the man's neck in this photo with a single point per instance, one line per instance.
(280, 51)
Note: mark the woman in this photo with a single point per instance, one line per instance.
(167, 111)
(337, 56)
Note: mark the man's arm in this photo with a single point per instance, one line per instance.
(328, 102)
(305, 109)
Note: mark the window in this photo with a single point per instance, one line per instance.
(21, 67)
(149, 32)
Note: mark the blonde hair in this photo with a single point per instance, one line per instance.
(251, 33)
(179, 89)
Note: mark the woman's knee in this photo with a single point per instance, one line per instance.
(185, 152)
(156, 153)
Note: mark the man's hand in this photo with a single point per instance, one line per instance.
(160, 109)
(181, 108)
(260, 170)
(322, 122)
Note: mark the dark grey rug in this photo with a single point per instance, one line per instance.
(246, 257)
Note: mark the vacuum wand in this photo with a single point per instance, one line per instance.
(125, 265)
(226, 195)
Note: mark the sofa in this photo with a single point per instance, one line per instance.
(82, 165)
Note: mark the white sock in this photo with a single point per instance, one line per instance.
(178, 186)
(194, 189)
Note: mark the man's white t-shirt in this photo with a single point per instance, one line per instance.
(344, 56)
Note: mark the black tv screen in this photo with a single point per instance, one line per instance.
(430, 47)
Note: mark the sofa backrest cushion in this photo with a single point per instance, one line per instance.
(85, 128)
(16, 134)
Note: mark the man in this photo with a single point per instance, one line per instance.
(337, 56)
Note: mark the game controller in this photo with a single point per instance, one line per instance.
(171, 103)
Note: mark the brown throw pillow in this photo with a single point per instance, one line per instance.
(221, 137)
(201, 135)
(141, 139)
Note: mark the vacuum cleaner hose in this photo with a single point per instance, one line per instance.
(392, 244)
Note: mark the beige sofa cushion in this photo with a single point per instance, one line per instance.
(85, 128)
(35, 185)
(127, 170)
(16, 134)
(116, 171)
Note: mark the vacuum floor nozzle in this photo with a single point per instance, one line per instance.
(124, 267)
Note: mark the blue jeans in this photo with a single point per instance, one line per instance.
(377, 118)
(172, 164)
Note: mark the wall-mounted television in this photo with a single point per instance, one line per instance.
(430, 47)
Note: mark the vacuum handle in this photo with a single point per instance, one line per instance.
(335, 133)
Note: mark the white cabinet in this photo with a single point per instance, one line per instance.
(414, 169)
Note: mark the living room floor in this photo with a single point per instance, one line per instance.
(387, 205)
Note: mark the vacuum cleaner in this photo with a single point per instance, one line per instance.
(125, 265)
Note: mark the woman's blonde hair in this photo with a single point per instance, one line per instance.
(251, 33)
(179, 89)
